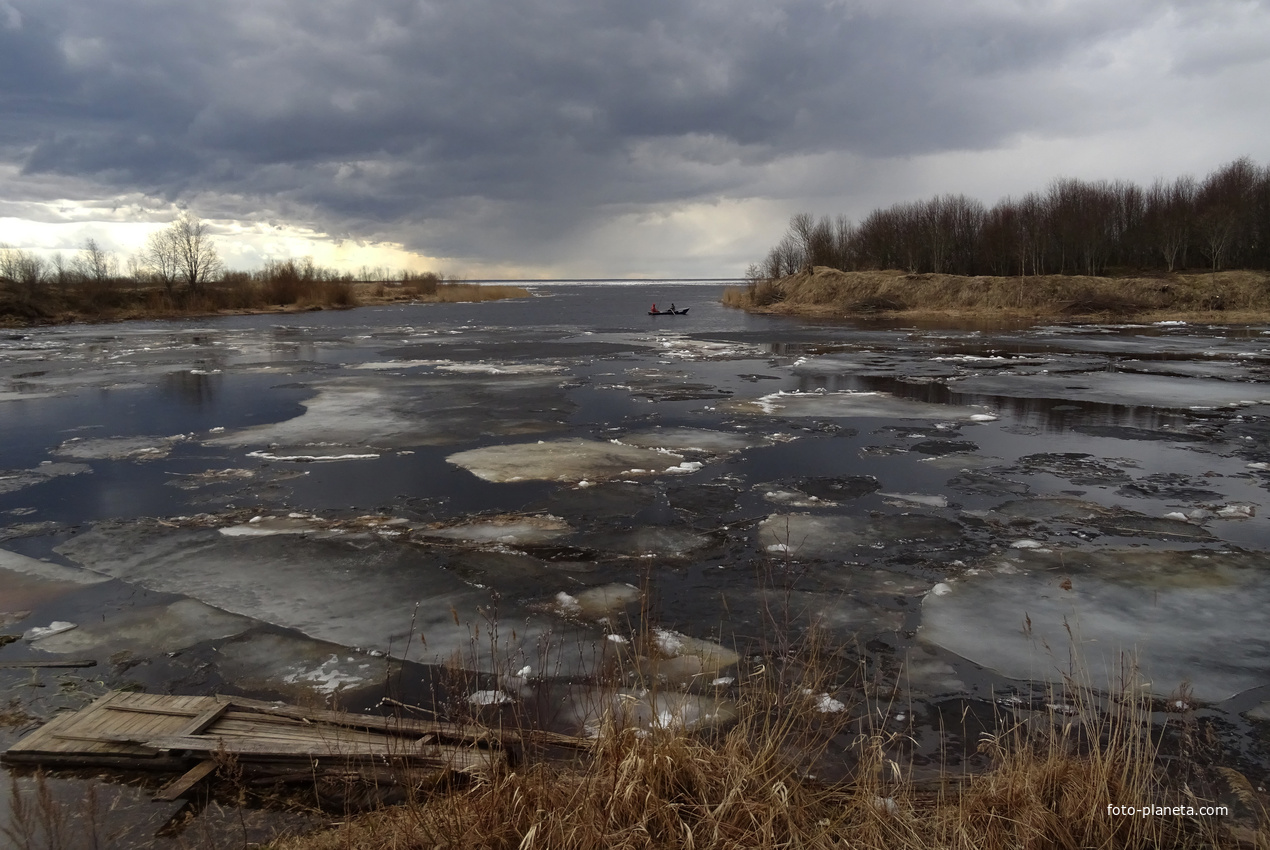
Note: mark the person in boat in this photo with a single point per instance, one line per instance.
(672, 306)
(654, 308)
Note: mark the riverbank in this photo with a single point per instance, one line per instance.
(104, 303)
(1241, 297)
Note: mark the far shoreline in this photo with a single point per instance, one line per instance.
(1232, 298)
(156, 305)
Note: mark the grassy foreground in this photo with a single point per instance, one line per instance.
(1054, 779)
(1221, 297)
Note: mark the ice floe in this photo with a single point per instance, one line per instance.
(1184, 615)
(644, 711)
(835, 536)
(571, 460)
(512, 529)
(12, 480)
(150, 629)
(693, 439)
(17, 563)
(1117, 389)
(845, 405)
(42, 632)
(351, 590)
(119, 448)
(379, 411)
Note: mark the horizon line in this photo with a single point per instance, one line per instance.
(600, 279)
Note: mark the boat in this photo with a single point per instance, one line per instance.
(668, 312)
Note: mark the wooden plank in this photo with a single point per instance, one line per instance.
(203, 720)
(192, 777)
(153, 709)
(390, 725)
(23, 665)
(458, 758)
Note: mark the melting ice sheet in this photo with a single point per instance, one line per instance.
(875, 405)
(1118, 389)
(394, 412)
(573, 460)
(352, 590)
(1185, 613)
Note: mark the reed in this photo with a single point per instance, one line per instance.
(1054, 779)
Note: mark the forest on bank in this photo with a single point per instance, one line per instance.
(1074, 227)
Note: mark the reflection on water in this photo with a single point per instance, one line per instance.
(193, 388)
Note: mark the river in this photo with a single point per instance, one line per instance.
(279, 506)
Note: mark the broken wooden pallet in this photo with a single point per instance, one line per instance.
(192, 734)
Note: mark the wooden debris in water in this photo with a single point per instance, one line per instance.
(192, 735)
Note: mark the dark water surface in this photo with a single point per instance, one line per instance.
(917, 492)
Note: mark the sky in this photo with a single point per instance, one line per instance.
(591, 138)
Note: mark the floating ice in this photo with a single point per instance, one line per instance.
(513, 529)
(13, 480)
(606, 600)
(328, 677)
(300, 670)
(1237, 511)
(500, 368)
(1184, 612)
(685, 467)
(661, 541)
(1111, 388)
(928, 499)
(383, 365)
(693, 439)
(312, 458)
(387, 412)
(644, 711)
(849, 405)
(826, 704)
(1027, 544)
(559, 460)
(150, 630)
(567, 605)
(54, 628)
(14, 562)
(119, 448)
(816, 536)
(268, 526)
(349, 590)
(489, 698)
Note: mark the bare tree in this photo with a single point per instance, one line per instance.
(162, 257)
(1224, 204)
(61, 270)
(196, 259)
(1170, 210)
(95, 263)
(23, 269)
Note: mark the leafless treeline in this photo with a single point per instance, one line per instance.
(1073, 227)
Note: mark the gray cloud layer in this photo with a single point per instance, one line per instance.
(495, 129)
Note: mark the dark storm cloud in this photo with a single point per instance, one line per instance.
(393, 118)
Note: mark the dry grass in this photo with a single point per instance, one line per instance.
(1053, 776)
(451, 292)
(1235, 296)
(108, 302)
